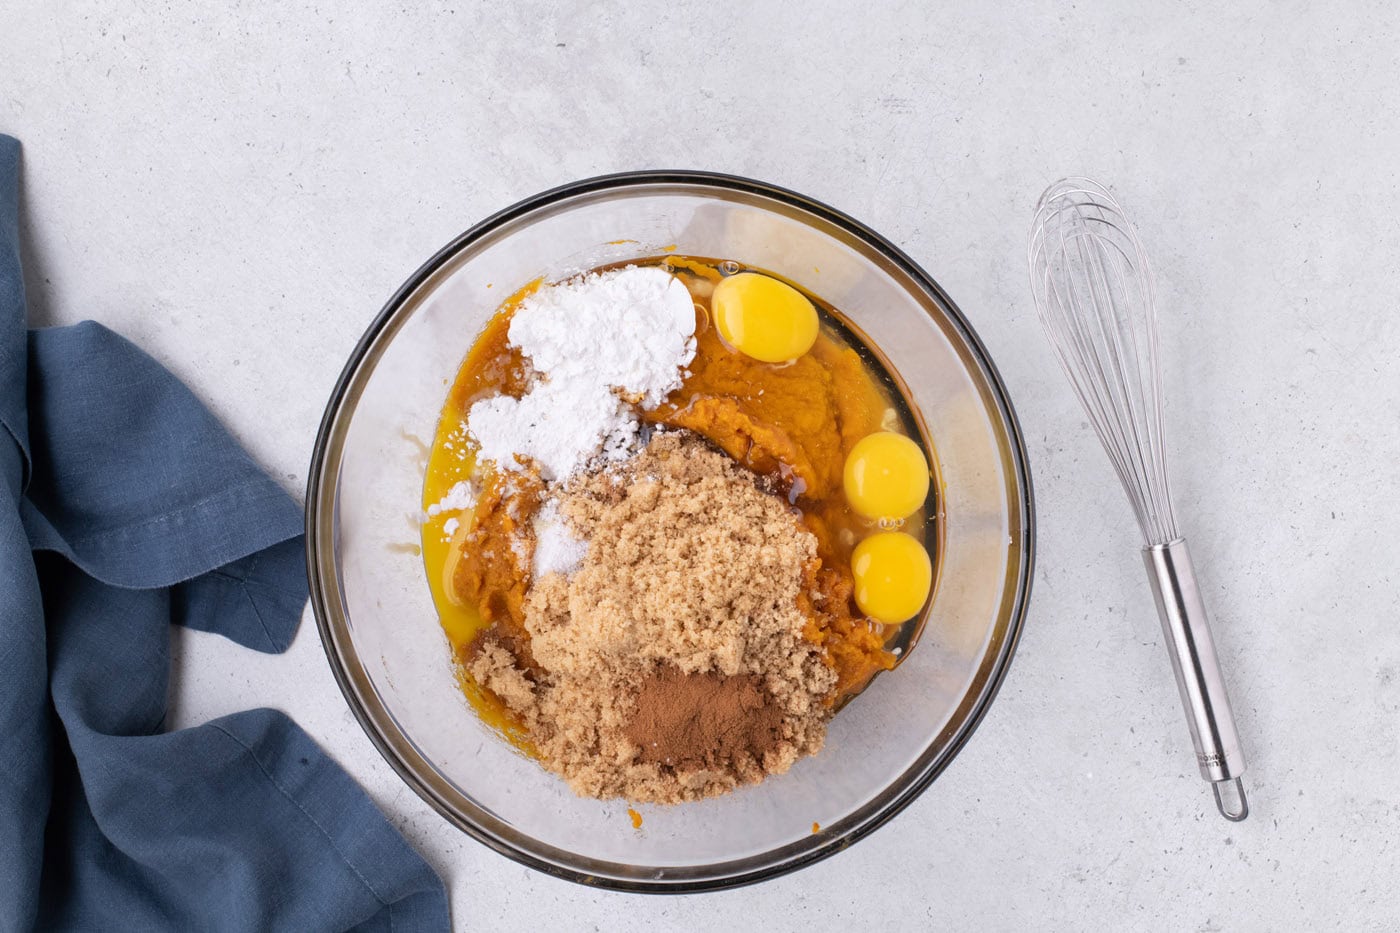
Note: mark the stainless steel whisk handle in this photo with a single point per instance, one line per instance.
(1187, 630)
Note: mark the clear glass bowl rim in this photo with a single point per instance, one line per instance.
(722, 875)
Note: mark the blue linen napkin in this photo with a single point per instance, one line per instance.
(125, 507)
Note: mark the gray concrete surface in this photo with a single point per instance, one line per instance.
(238, 190)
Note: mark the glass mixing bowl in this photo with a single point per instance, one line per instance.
(376, 616)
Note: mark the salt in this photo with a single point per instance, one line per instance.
(556, 548)
(591, 340)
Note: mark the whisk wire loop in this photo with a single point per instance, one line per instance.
(1096, 298)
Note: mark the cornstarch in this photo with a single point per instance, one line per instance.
(596, 343)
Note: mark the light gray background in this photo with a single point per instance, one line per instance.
(239, 190)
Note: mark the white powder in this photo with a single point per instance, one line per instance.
(449, 527)
(556, 548)
(590, 340)
(558, 425)
(458, 499)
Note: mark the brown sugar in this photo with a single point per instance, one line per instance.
(672, 664)
(796, 423)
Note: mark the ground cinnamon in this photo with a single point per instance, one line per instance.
(704, 721)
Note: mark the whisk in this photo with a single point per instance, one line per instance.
(1094, 293)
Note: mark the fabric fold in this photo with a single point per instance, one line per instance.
(145, 496)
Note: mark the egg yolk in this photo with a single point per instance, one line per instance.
(893, 574)
(886, 476)
(764, 318)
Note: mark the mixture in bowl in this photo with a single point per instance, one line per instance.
(674, 513)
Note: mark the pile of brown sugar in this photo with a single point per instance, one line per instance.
(671, 664)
